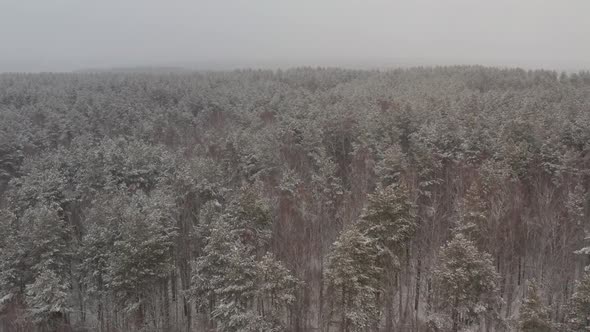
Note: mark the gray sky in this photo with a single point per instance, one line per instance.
(73, 34)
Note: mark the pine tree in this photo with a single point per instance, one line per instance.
(474, 211)
(391, 165)
(390, 221)
(579, 304)
(354, 278)
(128, 249)
(11, 260)
(534, 314)
(363, 258)
(578, 319)
(48, 298)
(466, 282)
(250, 218)
(276, 289)
(47, 243)
(575, 204)
(245, 286)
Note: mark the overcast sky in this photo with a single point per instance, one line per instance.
(73, 34)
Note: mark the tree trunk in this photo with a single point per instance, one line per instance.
(455, 316)
(417, 297)
(100, 316)
(389, 307)
(343, 324)
(165, 305)
(400, 298)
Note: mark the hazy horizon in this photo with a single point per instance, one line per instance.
(67, 35)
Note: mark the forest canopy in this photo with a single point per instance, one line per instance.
(307, 199)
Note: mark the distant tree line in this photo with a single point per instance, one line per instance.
(308, 199)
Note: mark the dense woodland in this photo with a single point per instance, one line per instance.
(424, 199)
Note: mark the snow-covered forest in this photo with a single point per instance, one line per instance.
(424, 199)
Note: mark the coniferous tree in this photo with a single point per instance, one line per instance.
(361, 261)
(390, 219)
(578, 318)
(466, 282)
(46, 241)
(10, 259)
(354, 277)
(534, 314)
(390, 222)
(127, 250)
(243, 287)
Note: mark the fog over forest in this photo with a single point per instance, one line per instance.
(64, 35)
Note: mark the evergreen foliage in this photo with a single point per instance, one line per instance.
(578, 318)
(247, 288)
(292, 200)
(466, 281)
(534, 314)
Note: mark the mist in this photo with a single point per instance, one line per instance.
(65, 35)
